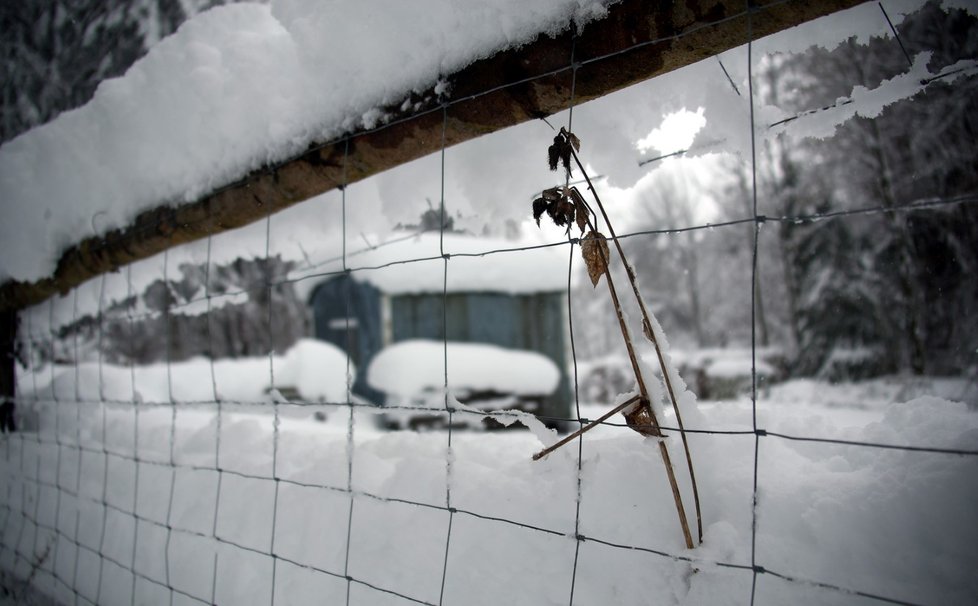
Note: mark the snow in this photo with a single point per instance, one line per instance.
(199, 447)
(871, 103)
(413, 367)
(317, 370)
(728, 363)
(470, 268)
(235, 88)
(727, 111)
(894, 523)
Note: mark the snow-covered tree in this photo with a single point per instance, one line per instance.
(891, 281)
(253, 308)
(56, 53)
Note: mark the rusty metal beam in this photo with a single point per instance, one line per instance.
(638, 40)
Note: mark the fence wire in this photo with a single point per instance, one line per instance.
(42, 547)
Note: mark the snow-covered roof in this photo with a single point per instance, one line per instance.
(405, 264)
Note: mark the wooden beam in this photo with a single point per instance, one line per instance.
(638, 40)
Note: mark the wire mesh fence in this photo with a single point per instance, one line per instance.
(209, 480)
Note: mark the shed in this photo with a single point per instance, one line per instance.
(515, 299)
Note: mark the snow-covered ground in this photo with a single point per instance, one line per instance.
(197, 482)
(889, 522)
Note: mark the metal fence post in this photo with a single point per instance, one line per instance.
(8, 336)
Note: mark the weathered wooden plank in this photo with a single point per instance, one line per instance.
(636, 41)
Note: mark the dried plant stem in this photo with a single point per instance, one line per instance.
(643, 401)
(643, 390)
(587, 428)
(647, 325)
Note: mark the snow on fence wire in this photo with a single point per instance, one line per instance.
(206, 482)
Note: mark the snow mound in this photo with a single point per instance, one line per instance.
(316, 370)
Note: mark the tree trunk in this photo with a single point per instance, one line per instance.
(914, 356)
(691, 267)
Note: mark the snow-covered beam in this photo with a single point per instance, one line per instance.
(637, 40)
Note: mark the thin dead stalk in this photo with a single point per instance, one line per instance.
(565, 206)
(650, 333)
(631, 401)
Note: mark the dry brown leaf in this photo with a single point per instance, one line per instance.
(553, 153)
(641, 419)
(563, 213)
(582, 212)
(574, 141)
(580, 207)
(596, 254)
(552, 194)
(539, 207)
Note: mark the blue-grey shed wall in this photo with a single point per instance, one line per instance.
(533, 322)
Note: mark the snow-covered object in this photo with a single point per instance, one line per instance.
(235, 88)
(470, 268)
(728, 363)
(317, 370)
(412, 367)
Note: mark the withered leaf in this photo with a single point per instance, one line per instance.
(553, 152)
(641, 420)
(574, 194)
(565, 156)
(552, 194)
(581, 211)
(539, 207)
(574, 141)
(580, 207)
(561, 211)
(596, 254)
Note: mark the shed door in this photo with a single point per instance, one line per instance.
(347, 314)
